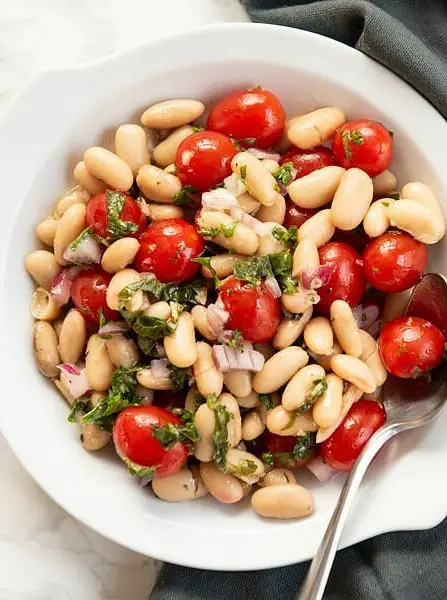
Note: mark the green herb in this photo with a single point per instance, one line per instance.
(212, 232)
(386, 204)
(267, 400)
(220, 435)
(281, 264)
(348, 137)
(287, 236)
(121, 394)
(248, 142)
(151, 327)
(245, 467)
(243, 173)
(102, 323)
(395, 196)
(318, 388)
(183, 197)
(236, 340)
(304, 446)
(138, 470)
(116, 226)
(253, 271)
(168, 435)
(268, 458)
(179, 377)
(149, 347)
(228, 230)
(79, 406)
(284, 174)
(169, 292)
(197, 129)
(206, 262)
(81, 237)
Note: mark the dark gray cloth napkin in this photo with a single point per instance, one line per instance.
(410, 38)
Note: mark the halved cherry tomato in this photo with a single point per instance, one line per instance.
(296, 216)
(364, 144)
(167, 249)
(204, 159)
(253, 310)
(88, 292)
(306, 161)
(347, 282)
(254, 117)
(281, 446)
(394, 261)
(97, 218)
(134, 440)
(343, 447)
(411, 346)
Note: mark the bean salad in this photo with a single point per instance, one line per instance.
(221, 296)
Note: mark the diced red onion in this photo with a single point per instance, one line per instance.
(321, 470)
(261, 154)
(87, 252)
(273, 286)
(113, 328)
(365, 316)
(312, 279)
(219, 199)
(217, 318)
(231, 359)
(258, 227)
(60, 287)
(235, 185)
(159, 368)
(74, 379)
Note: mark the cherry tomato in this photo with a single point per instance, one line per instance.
(342, 448)
(364, 144)
(347, 282)
(97, 219)
(253, 310)
(278, 445)
(411, 346)
(88, 292)
(394, 261)
(306, 161)
(134, 440)
(204, 159)
(167, 249)
(296, 216)
(254, 117)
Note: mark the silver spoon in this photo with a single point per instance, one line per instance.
(409, 404)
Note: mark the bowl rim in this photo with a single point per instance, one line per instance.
(153, 547)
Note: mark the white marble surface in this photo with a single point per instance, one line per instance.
(44, 553)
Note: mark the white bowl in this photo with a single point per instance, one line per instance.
(65, 111)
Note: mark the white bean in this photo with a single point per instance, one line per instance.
(319, 228)
(93, 437)
(242, 239)
(318, 336)
(352, 199)
(371, 357)
(417, 220)
(146, 378)
(99, 368)
(248, 204)
(164, 153)
(224, 487)
(76, 195)
(109, 168)
(346, 328)
(238, 383)
(244, 465)
(160, 212)
(325, 361)
(352, 394)
(209, 379)
(279, 369)
(253, 423)
(268, 243)
(45, 348)
(180, 346)
(260, 183)
(250, 401)
(157, 185)
(172, 113)
(201, 323)
(303, 386)
(46, 230)
(316, 189)
(86, 180)
(118, 282)
(160, 309)
(274, 213)
(282, 502)
(131, 146)
(376, 220)
(184, 485)
(70, 225)
(278, 477)
(355, 371)
(123, 351)
(43, 306)
(327, 407)
(384, 183)
(316, 127)
(234, 426)
(305, 256)
(119, 254)
(289, 330)
(284, 422)
(271, 165)
(223, 264)
(72, 337)
(421, 193)
(43, 267)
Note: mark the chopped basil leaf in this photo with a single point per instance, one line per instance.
(168, 435)
(88, 231)
(386, 204)
(318, 388)
(103, 323)
(212, 232)
(79, 406)
(228, 230)
(220, 435)
(347, 137)
(138, 470)
(268, 458)
(236, 340)
(356, 137)
(148, 284)
(281, 264)
(179, 377)
(121, 393)
(149, 327)
(243, 173)
(288, 237)
(115, 226)
(304, 446)
(284, 174)
(395, 196)
(184, 196)
(206, 262)
(267, 400)
(245, 467)
(197, 129)
(253, 271)
(170, 292)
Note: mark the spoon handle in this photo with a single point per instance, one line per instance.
(320, 568)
